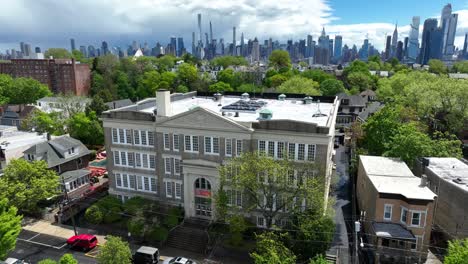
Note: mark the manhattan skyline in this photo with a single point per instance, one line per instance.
(119, 23)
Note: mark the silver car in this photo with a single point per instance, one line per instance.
(179, 260)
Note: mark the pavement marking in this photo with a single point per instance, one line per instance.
(41, 244)
(34, 236)
(93, 252)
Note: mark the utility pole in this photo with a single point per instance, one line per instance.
(71, 206)
(357, 228)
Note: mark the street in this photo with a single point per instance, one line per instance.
(33, 247)
(341, 240)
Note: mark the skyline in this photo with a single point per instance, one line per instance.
(126, 23)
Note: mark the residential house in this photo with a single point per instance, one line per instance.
(350, 107)
(397, 208)
(15, 115)
(60, 104)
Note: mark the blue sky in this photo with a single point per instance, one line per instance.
(120, 21)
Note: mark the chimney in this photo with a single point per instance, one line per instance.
(163, 102)
(423, 181)
(48, 136)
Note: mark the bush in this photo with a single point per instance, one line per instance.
(111, 208)
(136, 226)
(158, 233)
(135, 204)
(171, 221)
(112, 215)
(94, 215)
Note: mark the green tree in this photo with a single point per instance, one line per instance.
(277, 80)
(249, 88)
(237, 226)
(182, 89)
(26, 91)
(166, 62)
(57, 53)
(94, 215)
(299, 85)
(356, 66)
(457, 252)
(360, 80)
(331, 87)
(279, 59)
(124, 89)
(47, 261)
(148, 84)
(459, 66)
(6, 83)
(107, 64)
(169, 78)
(77, 55)
(320, 259)
(220, 87)
(271, 249)
(437, 67)
(26, 183)
(226, 76)
(97, 105)
(187, 74)
(115, 251)
(42, 122)
(317, 75)
(68, 259)
(10, 227)
(226, 61)
(86, 128)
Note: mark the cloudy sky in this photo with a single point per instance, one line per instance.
(51, 23)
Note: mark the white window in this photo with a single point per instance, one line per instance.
(118, 180)
(121, 136)
(301, 152)
(128, 136)
(261, 221)
(144, 158)
(144, 138)
(191, 143)
(228, 143)
(292, 151)
(145, 161)
(115, 135)
(271, 148)
(168, 188)
(404, 215)
(131, 160)
(116, 158)
(211, 145)
(71, 151)
(151, 138)
(175, 142)
(261, 146)
(178, 190)
(136, 137)
(388, 212)
(311, 152)
(416, 219)
(234, 198)
(146, 184)
(152, 161)
(123, 158)
(280, 150)
(167, 143)
(177, 168)
(238, 147)
(167, 165)
(125, 181)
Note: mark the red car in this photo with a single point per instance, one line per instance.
(83, 241)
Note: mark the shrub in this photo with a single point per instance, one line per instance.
(112, 215)
(135, 204)
(136, 226)
(94, 215)
(158, 233)
(171, 221)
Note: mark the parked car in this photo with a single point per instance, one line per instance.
(146, 255)
(83, 241)
(179, 260)
(12, 261)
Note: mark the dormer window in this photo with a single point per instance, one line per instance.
(30, 157)
(71, 151)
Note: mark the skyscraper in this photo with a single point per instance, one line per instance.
(234, 49)
(399, 51)
(394, 41)
(21, 49)
(364, 51)
(242, 48)
(72, 44)
(322, 51)
(465, 47)
(388, 47)
(199, 30)
(180, 46)
(413, 42)
(38, 50)
(194, 46)
(405, 47)
(309, 46)
(255, 51)
(330, 48)
(83, 51)
(338, 47)
(449, 27)
(104, 48)
(27, 50)
(432, 41)
(211, 33)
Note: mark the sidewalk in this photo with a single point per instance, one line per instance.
(58, 230)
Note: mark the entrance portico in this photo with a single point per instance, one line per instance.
(201, 179)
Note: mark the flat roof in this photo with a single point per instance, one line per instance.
(289, 109)
(450, 169)
(392, 230)
(391, 175)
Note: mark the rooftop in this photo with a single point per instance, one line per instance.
(289, 109)
(73, 175)
(391, 230)
(391, 175)
(450, 169)
(19, 139)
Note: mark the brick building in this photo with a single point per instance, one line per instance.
(61, 75)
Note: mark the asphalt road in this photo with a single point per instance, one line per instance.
(33, 247)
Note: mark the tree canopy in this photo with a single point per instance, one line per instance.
(299, 85)
(271, 249)
(26, 183)
(280, 59)
(21, 90)
(115, 251)
(226, 61)
(437, 66)
(57, 53)
(10, 227)
(457, 252)
(331, 87)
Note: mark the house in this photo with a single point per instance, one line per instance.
(62, 154)
(169, 148)
(76, 182)
(369, 95)
(350, 107)
(60, 104)
(14, 115)
(14, 142)
(398, 209)
(448, 178)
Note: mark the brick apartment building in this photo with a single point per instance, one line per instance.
(61, 75)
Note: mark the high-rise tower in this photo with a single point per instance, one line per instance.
(394, 41)
(72, 44)
(449, 27)
(199, 30)
(234, 49)
(413, 42)
(432, 41)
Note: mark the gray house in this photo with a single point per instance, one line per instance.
(169, 148)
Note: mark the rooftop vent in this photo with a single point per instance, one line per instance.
(266, 114)
(244, 106)
(217, 97)
(318, 113)
(245, 96)
(308, 100)
(281, 97)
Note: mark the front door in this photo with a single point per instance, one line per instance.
(203, 203)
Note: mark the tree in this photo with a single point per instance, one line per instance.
(237, 227)
(169, 78)
(71, 104)
(317, 75)
(57, 53)
(124, 89)
(460, 66)
(10, 227)
(148, 85)
(277, 80)
(280, 59)
(331, 87)
(26, 183)
(26, 91)
(77, 55)
(42, 122)
(86, 128)
(320, 259)
(187, 74)
(457, 252)
(252, 174)
(68, 259)
(115, 251)
(220, 87)
(226, 76)
(182, 89)
(437, 67)
(94, 215)
(6, 83)
(47, 261)
(360, 80)
(249, 88)
(271, 249)
(299, 85)
(356, 66)
(226, 61)
(97, 105)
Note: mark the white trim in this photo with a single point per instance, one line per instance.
(419, 219)
(174, 136)
(210, 150)
(228, 141)
(391, 212)
(401, 215)
(166, 141)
